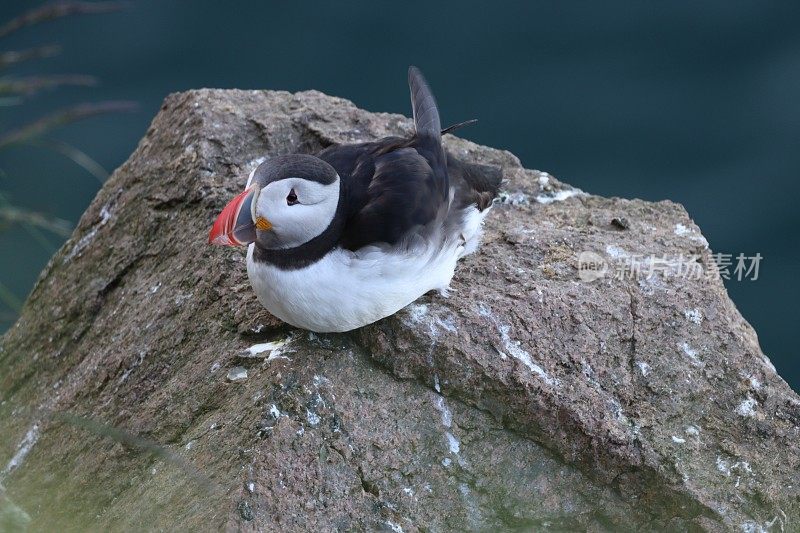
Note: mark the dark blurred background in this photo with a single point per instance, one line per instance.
(697, 102)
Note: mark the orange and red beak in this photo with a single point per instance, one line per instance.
(235, 225)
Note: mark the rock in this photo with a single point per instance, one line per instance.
(528, 399)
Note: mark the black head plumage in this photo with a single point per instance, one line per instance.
(294, 166)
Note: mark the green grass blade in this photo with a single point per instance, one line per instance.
(55, 10)
(63, 117)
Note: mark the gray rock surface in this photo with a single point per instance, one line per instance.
(527, 399)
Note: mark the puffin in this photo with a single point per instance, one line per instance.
(352, 234)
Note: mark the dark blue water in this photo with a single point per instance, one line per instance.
(697, 102)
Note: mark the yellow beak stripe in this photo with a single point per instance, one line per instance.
(263, 224)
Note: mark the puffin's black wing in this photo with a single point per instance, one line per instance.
(401, 195)
(390, 188)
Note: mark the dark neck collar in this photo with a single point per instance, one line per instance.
(311, 251)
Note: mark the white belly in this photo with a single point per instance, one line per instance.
(346, 290)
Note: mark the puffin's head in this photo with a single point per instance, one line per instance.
(289, 200)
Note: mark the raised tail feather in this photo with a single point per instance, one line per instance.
(426, 114)
(428, 128)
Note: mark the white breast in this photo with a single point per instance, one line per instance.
(346, 290)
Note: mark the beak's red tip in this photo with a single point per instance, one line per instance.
(222, 232)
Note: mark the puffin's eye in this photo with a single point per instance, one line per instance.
(292, 198)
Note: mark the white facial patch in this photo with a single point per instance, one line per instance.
(293, 225)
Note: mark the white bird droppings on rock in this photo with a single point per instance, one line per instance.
(105, 216)
(513, 198)
(747, 407)
(274, 411)
(394, 527)
(446, 323)
(312, 418)
(694, 315)
(24, 448)
(681, 230)
(544, 179)
(453, 443)
(320, 380)
(182, 298)
(513, 347)
(559, 196)
(726, 467)
(237, 373)
(723, 466)
(684, 231)
(644, 368)
(753, 527)
(447, 416)
(417, 312)
(691, 353)
(269, 351)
